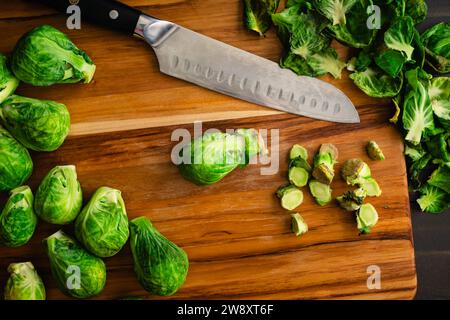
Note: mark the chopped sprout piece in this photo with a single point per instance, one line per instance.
(366, 218)
(354, 171)
(291, 197)
(374, 151)
(298, 176)
(324, 163)
(321, 192)
(371, 186)
(299, 226)
(352, 200)
(298, 151)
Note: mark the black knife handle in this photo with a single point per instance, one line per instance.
(108, 13)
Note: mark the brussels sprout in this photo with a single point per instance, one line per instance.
(352, 200)
(215, 155)
(298, 224)
(298, 151)
(59, 196)
(24, 283)
(102, 226)
(374, 151)
(375, 83)
(437, 147)
(433, 199)
(321, 192)
(160, 265)
(324, 163)
(396, 101)
(8, 83)
(15, 162)
(46, 56)
(257, 14)
(77, 272)
(366, 218)
(17, 220)
(437, 47)
(39, 125)
(291, 197)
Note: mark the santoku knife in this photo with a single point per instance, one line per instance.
(212, 64)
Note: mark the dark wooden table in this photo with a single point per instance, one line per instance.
(431, 233)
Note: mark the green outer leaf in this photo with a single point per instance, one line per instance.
(102, 226)
(417, 10)
(39, 125)
(8, 83)
(17, 220)
(24, 283)
(306, 37)
(297, 64)
(59, 196)
(441, 178)
(16, 165)
(390, 61)
(46, 56)
(160, 265)
(437, 43)
(417, 111)
(335, 10)
(326, 61)
(400, 36)
(284, 21)
(65, 254)
(377, 84)
(439, 92)
(257, 14)
(433, 200)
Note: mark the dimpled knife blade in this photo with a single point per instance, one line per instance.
(212, 64)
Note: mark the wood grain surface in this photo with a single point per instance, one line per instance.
(235, 233)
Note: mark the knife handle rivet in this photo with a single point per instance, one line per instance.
(114, 14)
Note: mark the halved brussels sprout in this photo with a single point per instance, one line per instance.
(102, 226)
(45, 56)
(17, 220)
(24, 283)
(77, 272)
(160, 265)
(16, 165)
(8, 83)
(59, 197)
(39, 125)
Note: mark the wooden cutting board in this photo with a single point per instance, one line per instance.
(236, 235)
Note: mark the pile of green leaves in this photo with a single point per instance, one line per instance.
(391, 59)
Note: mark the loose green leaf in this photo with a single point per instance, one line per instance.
(46, 56)
(326, 61)
(257, 14)
(441, 179)
(433, 199)
(417, 10)
(24, 283)
(307, 38)
(39, 125)
(439, 92)
(376, 83)
(390, 61)
(335, 10)
(400, 36)
(437, 43)
(8, 82)
(297, 64)
(102, 226)
(160, 265)
(17, 220)
(15, 162)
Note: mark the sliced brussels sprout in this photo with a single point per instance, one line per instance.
(354, 170)
(8, 83)
(374, 151)
(214, 155)
(298, 151)
(17, 220)
(366, 218)
(291, 197)
(24, 283)
(160, 265)
(77, 272)
(46, 56)
(324, 163)
(298, 176)
(321, 192)
(39, 125)
(352, 200)
(371, 187)
(16, 165)
(59, 197)
(298, 224)
(102, 226)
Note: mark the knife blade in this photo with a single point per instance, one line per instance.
(217, 66)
